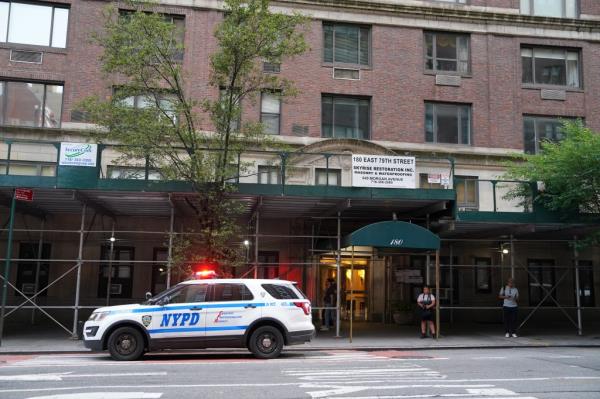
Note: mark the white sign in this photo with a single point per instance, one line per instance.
(383, 171)
(78, 154)
(433, 178)
(445, 181)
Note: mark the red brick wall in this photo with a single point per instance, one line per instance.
(396, 82)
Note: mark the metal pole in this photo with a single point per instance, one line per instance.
(577, 287)
(338, 277)
(437, 292)
(37, 268)
(110, 260)
(451, 283)
(7, 263)
(170, 249)
(79, 264)
(427, 260)
(512, 257)
(256, 226)
(351, 293)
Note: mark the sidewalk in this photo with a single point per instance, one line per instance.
(371, 336)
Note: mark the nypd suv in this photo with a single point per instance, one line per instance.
(261, 315)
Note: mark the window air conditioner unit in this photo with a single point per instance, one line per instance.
(346, 73)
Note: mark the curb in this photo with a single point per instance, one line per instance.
(339, 348)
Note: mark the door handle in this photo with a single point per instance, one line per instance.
(250, 306)
(195, 308)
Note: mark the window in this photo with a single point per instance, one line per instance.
(132, 172)
(346, 44)
(164, 102)
(537, 129)
(345, 117)
(268, 264)
(27, 270)
(270, 112)
(189, 293)
(467, 192)
(483, 274)
(551, 8)
(231, 292)
(35, 24)
(541, 281)
(447, 123)
(328, 177)
(30, 104)
(23, 168)
(452, 1)
(446, 52)
(269, 174)
(121, 272)
(550, 66)
(179, 33)
(279, 291)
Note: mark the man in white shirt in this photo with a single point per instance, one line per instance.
(510, 296)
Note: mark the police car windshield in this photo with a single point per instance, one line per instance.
(165, 293)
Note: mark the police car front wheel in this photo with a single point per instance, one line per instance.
(125, 343)
(266, 342)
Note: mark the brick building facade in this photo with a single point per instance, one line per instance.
(470, 81)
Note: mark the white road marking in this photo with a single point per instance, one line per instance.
(103, 395)
(490, 391)
(156, 386)
(60, 376)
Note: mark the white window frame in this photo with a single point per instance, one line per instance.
(4, 36)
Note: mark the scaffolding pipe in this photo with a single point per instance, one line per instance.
(11, 224)
(170, 249)
(351, 293)
(512, 257)
(110, 261)
(577, 287)
(79, 264)
(38, 267)
(337, 276)
(256, 227)
(437, 292)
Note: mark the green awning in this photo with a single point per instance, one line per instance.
(394, 234)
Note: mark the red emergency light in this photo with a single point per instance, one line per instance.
(205, 274)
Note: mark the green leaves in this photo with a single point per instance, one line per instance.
(154, 118)
(569, 171)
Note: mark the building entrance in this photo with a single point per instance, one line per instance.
(355, 284)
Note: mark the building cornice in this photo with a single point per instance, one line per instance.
(447, 12)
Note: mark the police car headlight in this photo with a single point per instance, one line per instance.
(97, 316)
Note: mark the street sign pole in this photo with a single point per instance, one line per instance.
(7, 264)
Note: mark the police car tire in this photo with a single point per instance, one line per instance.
(256, 343)
(115, 344)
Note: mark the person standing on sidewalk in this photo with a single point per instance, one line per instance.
(426, 301)
(329, 301)
(510, 296)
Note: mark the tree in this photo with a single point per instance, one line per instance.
(141, 59)
(569, 171)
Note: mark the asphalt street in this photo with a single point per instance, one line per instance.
(476, 373)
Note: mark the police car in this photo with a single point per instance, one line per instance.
(261, 315)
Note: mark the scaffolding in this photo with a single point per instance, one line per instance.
(77, 264)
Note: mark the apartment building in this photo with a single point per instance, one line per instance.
(459, 85)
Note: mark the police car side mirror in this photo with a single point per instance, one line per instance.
(148, 295)
(164, 301)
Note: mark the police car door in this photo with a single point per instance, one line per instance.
(230, 312)
(180, 320)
